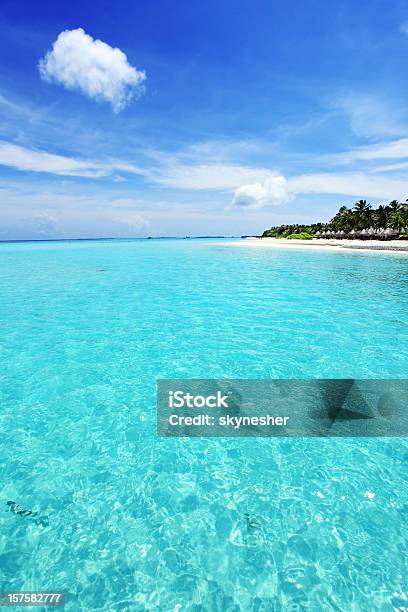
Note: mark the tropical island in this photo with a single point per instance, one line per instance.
(363, 222)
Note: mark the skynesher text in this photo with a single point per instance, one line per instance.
(200, 420)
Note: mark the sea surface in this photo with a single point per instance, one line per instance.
(129, 521)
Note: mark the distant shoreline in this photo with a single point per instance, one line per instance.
(394, 246)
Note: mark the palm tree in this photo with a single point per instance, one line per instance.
(380, 217)
(398, 220)
(362, 212)
(394, 205)
(362, 216)
(343, 220)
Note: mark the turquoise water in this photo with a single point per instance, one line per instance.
(133, 522)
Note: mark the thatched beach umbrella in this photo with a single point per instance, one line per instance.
(388, 233)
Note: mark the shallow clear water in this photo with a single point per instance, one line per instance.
(141, 523)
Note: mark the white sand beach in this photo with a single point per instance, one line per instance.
(392, 246)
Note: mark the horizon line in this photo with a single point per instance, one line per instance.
(13, 240)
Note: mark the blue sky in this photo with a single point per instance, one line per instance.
(175, 118)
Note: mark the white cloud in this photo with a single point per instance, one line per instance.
(395, 149)
(39, 161)
(205, 176)
(351, 184)
(133, 220)
(391, 167)
(253, 187)
(272, 192)
(15, 156)
(374, 116)
(98, 70)
(45, 224)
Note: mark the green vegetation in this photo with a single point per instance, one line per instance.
(362, 217)
(300, 236)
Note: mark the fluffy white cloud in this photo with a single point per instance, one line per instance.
(98, 70)
(272, 192)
